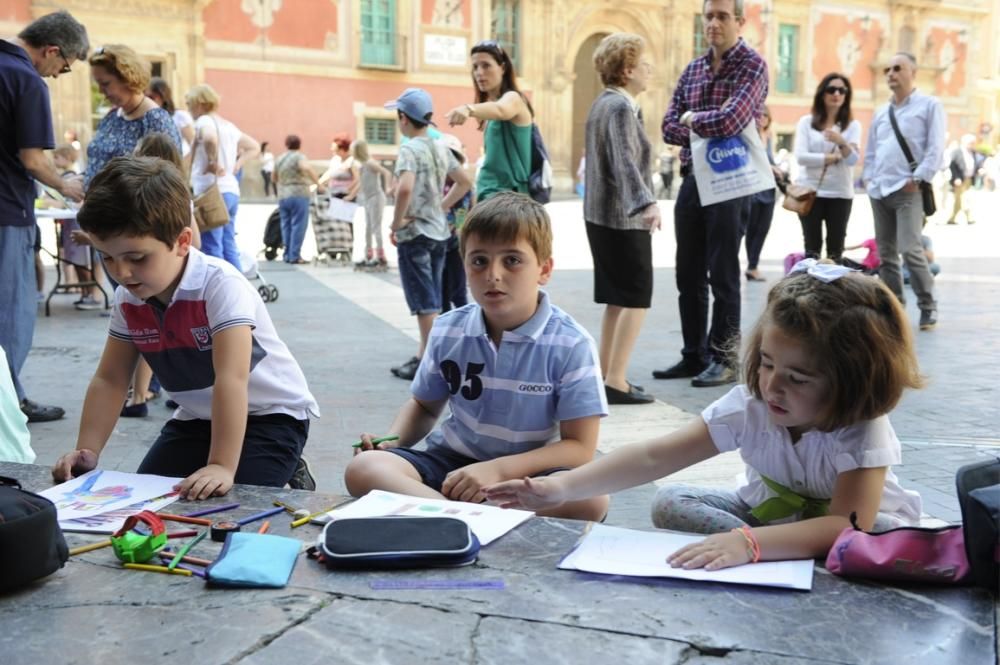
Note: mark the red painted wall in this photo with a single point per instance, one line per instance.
(17, 11)
(271, 106)
(302, 23)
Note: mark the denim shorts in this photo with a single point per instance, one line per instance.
(435, 464)
(421, 263)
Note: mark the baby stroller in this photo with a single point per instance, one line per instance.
(272, 236)
(333, 225)
(268, 292)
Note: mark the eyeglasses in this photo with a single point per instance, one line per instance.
(835, 90)
(65, 68)
(894, 68)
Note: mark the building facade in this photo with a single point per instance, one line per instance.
(318, 68)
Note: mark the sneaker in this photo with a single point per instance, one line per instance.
(928, 319)
(303, 478)
(39, 413)
(87, 303)
(407, 370)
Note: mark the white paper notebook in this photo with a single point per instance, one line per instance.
(616, 551)
(100, 491)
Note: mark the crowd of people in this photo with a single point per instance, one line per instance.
(524, 383)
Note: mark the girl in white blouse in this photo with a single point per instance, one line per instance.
(825, 364)
(827, 148)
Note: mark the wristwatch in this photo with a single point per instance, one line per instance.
(468, 109)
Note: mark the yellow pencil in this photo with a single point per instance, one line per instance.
(86, 548)
(303, 520)
(158, 569)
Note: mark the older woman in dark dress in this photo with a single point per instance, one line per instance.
(620, 209)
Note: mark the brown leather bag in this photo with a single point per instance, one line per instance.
(799, 199)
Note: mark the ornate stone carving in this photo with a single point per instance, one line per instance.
(261, 12)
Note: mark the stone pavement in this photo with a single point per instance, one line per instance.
(93, 612)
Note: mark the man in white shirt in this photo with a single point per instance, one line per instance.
(894, 188)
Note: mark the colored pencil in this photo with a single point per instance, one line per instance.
(87, 548)
(184, 550)
(377, 441)
(210, 511)
(288, 508)
(170, 554)
(157, 569)
(187, 533)
(264, 527)
(303, 520)
(186, 520)
(259, 516)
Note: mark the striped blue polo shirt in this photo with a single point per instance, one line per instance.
(510, 399)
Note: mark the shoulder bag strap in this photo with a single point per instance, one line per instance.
(902, 142)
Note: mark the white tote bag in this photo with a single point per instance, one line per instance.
(730, 167)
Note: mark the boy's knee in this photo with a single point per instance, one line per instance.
(361, 473)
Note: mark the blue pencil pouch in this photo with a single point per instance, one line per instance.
(251, 560)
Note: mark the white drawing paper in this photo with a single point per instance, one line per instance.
(617, 551)
(487, 522)
(100, 491)
(112, 521)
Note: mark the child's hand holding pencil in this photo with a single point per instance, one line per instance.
(381, 443)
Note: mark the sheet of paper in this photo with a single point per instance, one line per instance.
(487, 522)
(100, 491)
(617, 551)
(112, 521)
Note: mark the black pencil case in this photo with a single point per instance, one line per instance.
(397, 542)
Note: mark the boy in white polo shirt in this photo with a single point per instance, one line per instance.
(244, 405)
(521, 377)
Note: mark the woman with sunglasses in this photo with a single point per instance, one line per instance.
(826, 148)
(506, 114)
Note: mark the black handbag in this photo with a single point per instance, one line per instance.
(31, 543)
(978, 486)
(926, 192)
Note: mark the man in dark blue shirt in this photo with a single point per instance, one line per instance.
(46, 47)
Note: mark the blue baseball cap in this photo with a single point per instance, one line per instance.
(414, 103)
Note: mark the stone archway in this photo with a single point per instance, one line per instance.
(586, 86)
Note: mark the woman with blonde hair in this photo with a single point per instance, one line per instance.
(220, 151)
(619, 207)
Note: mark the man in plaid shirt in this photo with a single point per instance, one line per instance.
(718, 94)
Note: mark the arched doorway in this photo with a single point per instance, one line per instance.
(586, 86)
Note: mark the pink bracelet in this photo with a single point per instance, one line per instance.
(753, 547)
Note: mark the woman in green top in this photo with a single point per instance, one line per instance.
(507, 116)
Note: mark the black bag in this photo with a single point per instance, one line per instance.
(31, 543)
(926, 192)
(540, 178)
(397, 542)
(272, 236)
(978, 488)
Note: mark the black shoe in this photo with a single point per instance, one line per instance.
(633, 396)
(135, 411)
(303, 478)
(171, 404)
(39, 413)
(928, 319)
(682, 370)
(407, 370)
(716, 374)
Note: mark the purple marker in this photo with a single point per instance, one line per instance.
(260, 515)
(209, 511)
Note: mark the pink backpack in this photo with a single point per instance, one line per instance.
(792, 259)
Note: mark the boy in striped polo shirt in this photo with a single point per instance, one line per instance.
(244, 405)
(521, 377)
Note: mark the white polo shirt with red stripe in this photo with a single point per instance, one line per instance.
(176, 341)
